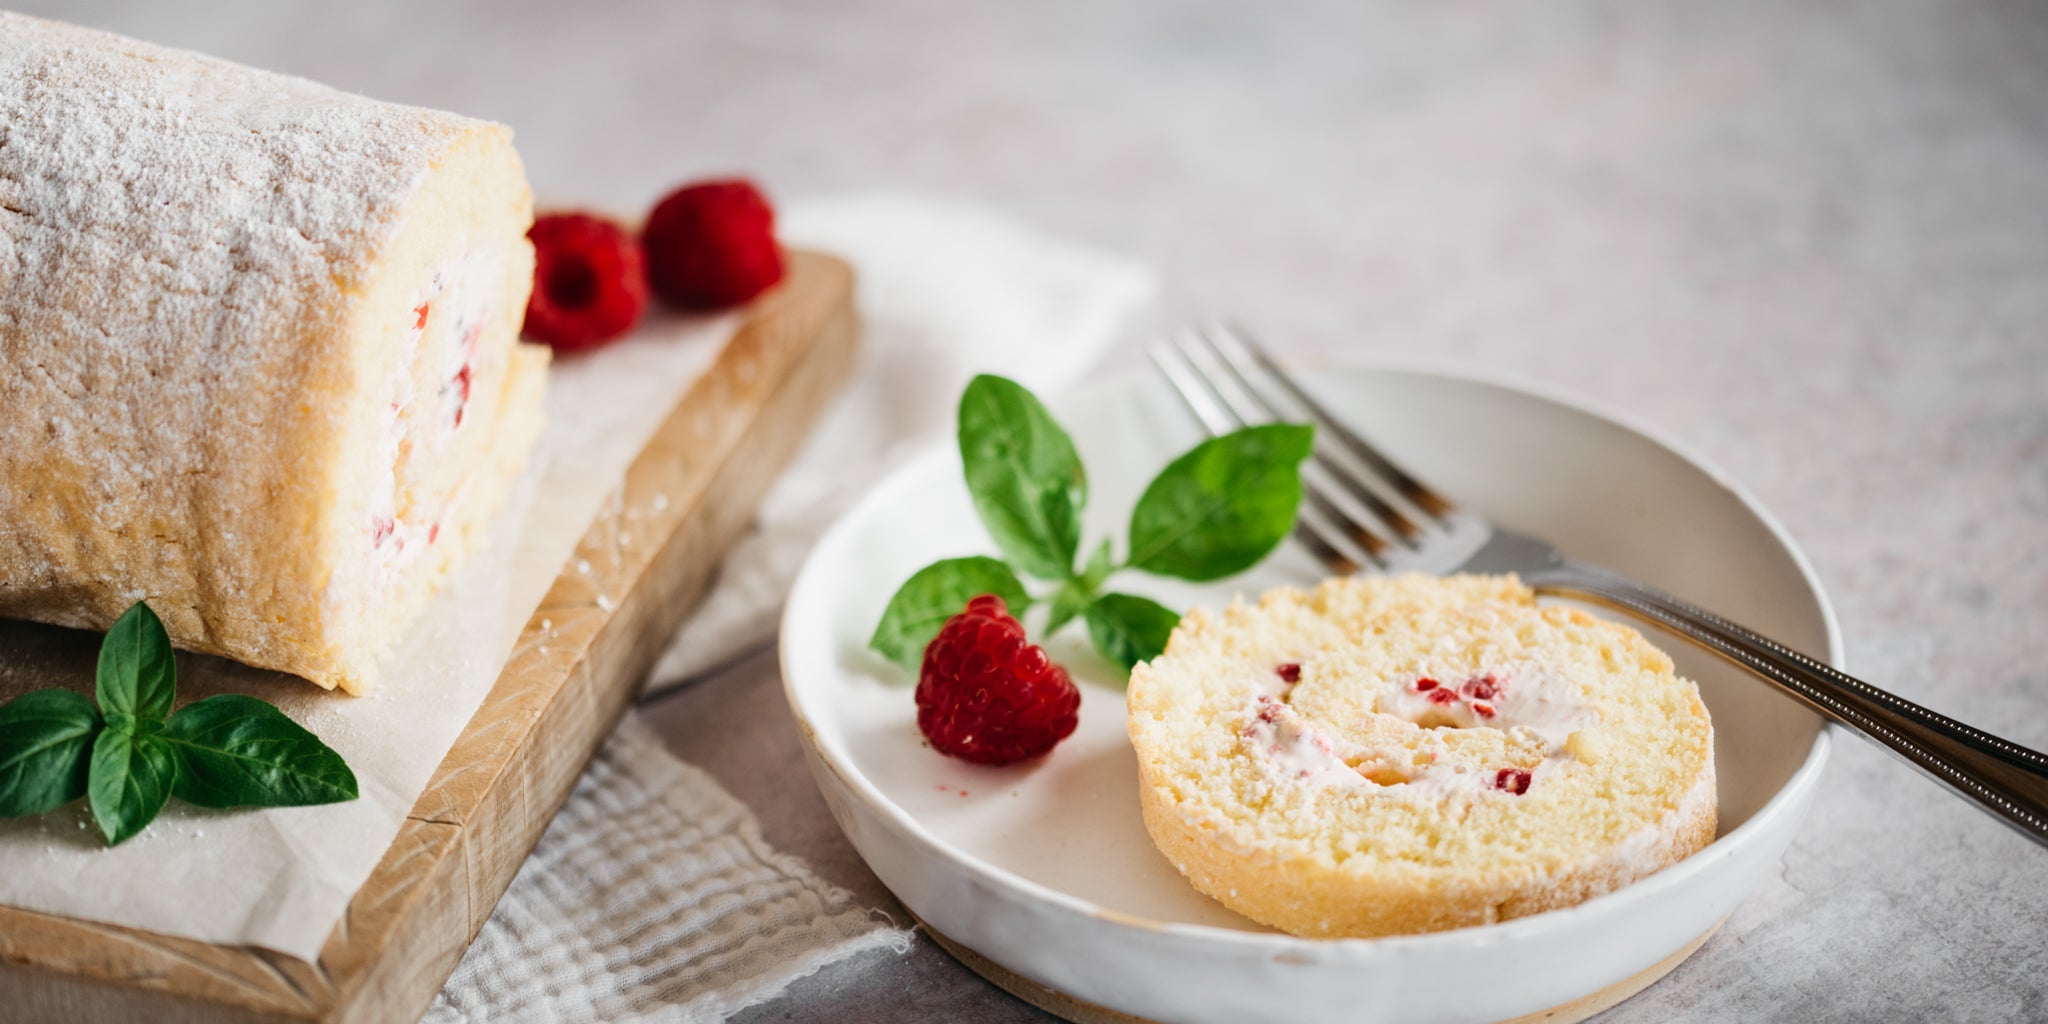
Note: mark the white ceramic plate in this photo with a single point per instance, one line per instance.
(1046, 869)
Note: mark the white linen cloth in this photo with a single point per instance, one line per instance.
(653, 896)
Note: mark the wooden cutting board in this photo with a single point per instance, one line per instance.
(685, 500)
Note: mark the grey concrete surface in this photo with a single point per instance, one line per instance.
(1809, 239)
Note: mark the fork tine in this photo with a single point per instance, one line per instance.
(1344, 550)
(1350, 482)
(1369, 534)
(1194, 393)
(1311, 533)
(1411, 489)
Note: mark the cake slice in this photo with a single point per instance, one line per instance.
(258, 359)
(1385, 756)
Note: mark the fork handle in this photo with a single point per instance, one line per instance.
(2005, 779)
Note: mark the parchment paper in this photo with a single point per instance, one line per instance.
(281, 878)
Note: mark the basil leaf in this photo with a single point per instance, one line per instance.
(1070, 601)
(936, 593)
(131, 777)
(1100, 565)
(1073, 596)
(45, 750)
(1026, 479)
(136, 675)
(1128, 629)
(1223, 505)
(237, 751)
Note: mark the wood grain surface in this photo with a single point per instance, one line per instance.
(576, 666)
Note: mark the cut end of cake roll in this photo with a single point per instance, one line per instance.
(459, 400)
(258, 349)
(1386, 756)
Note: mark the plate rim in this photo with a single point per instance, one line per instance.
(1789, 796)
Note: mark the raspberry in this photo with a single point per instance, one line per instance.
(1514, 780)
(987, 695)
(711, 245)
(1485, 687)
(588, 283)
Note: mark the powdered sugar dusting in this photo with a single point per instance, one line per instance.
(228, 193)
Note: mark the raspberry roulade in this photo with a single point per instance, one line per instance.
(1412, 754)
(258, 359)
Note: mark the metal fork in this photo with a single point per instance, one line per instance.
(1396, 523)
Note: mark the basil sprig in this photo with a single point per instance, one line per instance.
(132, 754)
(1213, 512)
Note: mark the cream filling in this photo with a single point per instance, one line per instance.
(395, 542)
(1522, 696)
(1523, 699)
